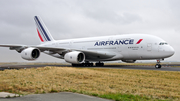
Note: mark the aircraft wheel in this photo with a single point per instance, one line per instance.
(91, 64)
(102, 64)
(75, 65)
(157, 66)
(97, 64)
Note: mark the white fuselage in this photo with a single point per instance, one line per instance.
(118, 47)
(85, 51)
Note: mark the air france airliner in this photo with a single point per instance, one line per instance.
(86, 51)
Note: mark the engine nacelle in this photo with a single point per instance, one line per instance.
(30, 53)
(129, 61)
(74, 57)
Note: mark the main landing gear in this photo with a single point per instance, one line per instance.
(99, 64)
(83, 65)
(158, 65)
(87, 64)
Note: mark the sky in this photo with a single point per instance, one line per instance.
(67, 19)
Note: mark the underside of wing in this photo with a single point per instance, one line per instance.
(10, 45)
(90, 55)
(97, 55)
(18, 48)
(53, 49)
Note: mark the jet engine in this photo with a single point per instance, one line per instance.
(30, 54)
(129, 61)
(74, 57)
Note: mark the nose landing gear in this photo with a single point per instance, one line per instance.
(158, 65)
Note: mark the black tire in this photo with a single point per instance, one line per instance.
(102, 64)
(91, 64)
(157, 66)
(82, 64)
(74, 65)
(97, 64)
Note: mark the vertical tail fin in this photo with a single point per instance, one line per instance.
(42, 30)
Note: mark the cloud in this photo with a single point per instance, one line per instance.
(79, 18)
(112, 17)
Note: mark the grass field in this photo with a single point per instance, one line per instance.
(116, 84)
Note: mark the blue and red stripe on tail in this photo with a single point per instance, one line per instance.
(42, 31)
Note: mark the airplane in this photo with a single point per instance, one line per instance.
(85, 51)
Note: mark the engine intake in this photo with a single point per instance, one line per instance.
(74, 57)
(30, 54)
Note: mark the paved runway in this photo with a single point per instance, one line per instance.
(62, 96)
(163, 68)
(138, 67)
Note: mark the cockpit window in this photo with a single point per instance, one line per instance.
(163, 43)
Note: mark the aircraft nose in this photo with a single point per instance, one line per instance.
(171, 51)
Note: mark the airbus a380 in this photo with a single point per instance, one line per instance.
(85, 51)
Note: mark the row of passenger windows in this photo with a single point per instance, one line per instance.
(133, 47)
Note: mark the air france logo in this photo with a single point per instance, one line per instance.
(117, 42)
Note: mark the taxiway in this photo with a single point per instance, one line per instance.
(138, 67)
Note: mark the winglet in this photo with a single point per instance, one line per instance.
(42, 30)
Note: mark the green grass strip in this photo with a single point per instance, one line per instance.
(128, 97)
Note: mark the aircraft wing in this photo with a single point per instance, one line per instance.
(14, 46)
(18, 48)
(44, 48)
(41, 48)
(90, 54)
